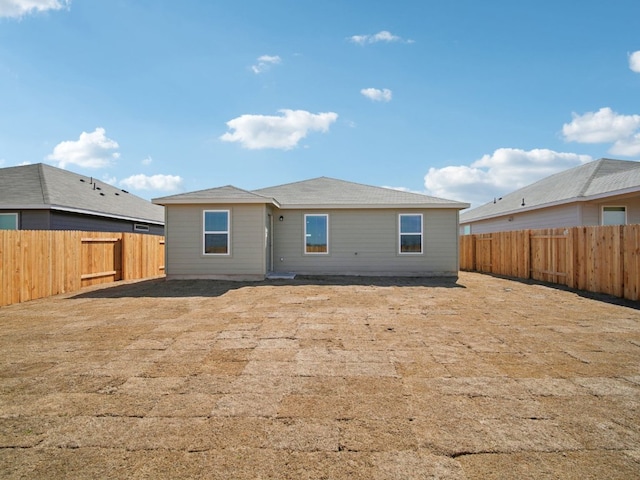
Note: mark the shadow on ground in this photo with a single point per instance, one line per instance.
(161, 288)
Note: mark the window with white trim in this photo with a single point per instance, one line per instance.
(410, 232)
(8, 221)
(216, 232)
(316, 233)
(614, 215)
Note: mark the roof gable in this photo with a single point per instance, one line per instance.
(593, 179)
(45, 186)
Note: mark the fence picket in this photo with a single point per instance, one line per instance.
(39, 263)
(601, 259)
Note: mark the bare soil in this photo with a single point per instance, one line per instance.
(321, 378)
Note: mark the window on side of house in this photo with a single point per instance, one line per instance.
(410, 232)
(614, 215)
(216, 232)
(8, 221)
(316, 234)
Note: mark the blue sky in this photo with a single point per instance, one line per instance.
(462, 99)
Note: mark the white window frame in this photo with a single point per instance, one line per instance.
(304, 239)
(15, 215)
(613, 206)
(217, 232)
(400, 233)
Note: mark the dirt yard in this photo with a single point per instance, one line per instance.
(329, 378)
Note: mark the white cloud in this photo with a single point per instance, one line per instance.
(377, 95)
(165, 183)
(382, 36)
(634, 61)
(19, 8)
(504, 171)
(91, 150)
(283, 132)
(147, 160)
(606, 126)
(265, 62)
(111, 180)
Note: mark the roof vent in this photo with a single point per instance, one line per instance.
(117, 193)
(102, 194)
(82, 180)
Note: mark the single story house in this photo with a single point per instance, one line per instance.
(42, 197)
(602, 192)
(321, 226)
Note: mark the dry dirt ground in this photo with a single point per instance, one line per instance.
(327, 378)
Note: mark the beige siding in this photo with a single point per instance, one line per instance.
(632, 204)
(572, 215)
(366, 242)
(554, 217)
(185, 258)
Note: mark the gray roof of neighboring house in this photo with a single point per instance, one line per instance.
(597, 179)
(322, 192)
(42, 186)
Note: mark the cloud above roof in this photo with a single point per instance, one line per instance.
(634, 61)
(382, 36)
(91, 150)
(284, 131)
(164, 183)
(20, 8)
(377, 95)
(606, 126)
(505, 170)
(265, 62)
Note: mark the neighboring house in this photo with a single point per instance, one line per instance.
(321, 226)
(602, 192)
(42, 197)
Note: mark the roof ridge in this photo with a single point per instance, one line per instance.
(587, 184)
(43, 183)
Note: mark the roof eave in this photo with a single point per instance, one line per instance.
(589, 198)
(369, 206)
(214, 201)
(62, 208)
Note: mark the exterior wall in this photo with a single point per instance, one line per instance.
(365, 242)
(184, 243)
(593, 210)
(571, 215)
(56, 220)
(71, 221)
(554, 217)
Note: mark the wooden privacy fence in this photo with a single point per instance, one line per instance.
(40, 263)
(601, 259)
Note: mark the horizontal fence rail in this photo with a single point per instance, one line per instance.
(599, 259)
(40, 263)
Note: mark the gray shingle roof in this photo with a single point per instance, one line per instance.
(43, 186)
(226, 194)
(322, 192)
(594, 179)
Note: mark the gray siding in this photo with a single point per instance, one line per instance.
(184, 248)
(56, 220)
(365, 242)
